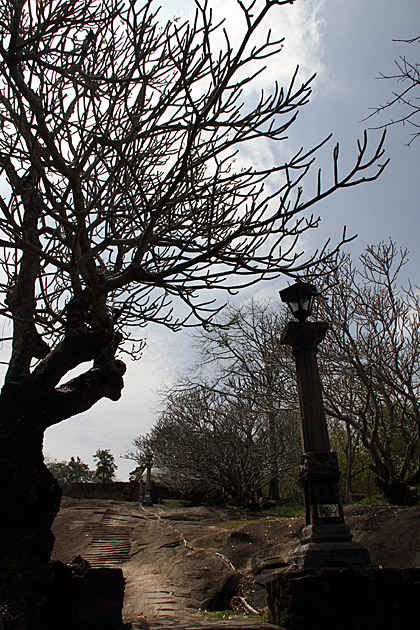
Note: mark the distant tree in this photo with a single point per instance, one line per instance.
(209, 446)
(137, 473)
(404, 103)
(232, 427)
(245, 355)
(105, 466)
(70, 472)
(371, 364)
(354, 461)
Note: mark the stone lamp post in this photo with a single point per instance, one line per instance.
(326, 539)
(147, 501)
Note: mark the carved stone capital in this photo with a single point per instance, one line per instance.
(304, 335)
(319, 465)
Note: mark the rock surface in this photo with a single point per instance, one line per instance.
(177, 560)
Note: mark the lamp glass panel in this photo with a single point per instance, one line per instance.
(306, 302)
(294, 306)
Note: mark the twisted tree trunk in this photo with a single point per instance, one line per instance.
(29, 495)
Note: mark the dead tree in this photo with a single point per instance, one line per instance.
(403, 105)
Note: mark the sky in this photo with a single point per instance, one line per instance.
(347, 44)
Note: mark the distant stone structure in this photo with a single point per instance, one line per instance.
(122, 491)
(117, 490)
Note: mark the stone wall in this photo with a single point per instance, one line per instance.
(121, 491)
(117, 490)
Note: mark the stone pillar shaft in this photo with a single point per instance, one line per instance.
(148, 488)
(326, 540)
(304, 339)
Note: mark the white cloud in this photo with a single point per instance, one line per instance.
(301, 25)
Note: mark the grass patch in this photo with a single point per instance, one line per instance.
(229, 614)
(176, 502)
(287, 510)
(233, 524)
(377, 498)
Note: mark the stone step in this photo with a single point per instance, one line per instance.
(109, 544)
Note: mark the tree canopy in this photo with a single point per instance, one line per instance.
(105, 465)
(122, 195)
(371, 365)
(70, 472)
(229, 428)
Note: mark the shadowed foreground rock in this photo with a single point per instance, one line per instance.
(84, 599)
(345, 599)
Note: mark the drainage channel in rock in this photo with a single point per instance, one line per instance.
(110, 543)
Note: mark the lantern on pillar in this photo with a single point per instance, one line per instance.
(300, 298)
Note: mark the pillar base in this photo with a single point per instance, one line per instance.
(345, 599)
(328, 546)
(332, 554)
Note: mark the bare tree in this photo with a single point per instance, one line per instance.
(246, 355)
(213, 446)
(372, 364)
(354, 460)
(121, 205)
(230, 425)
(404, 104)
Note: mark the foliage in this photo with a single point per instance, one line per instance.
(70, 472)
(105, 466)
(137, 473)
(292, 508)
(376, 498)
(176, 502)
(357, 478)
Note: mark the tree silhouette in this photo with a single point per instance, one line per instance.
(404, 103)
(105, 466)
